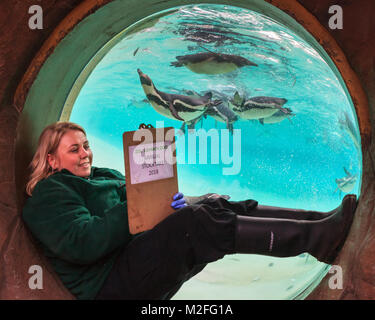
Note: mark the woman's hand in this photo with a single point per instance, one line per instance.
(178, 201)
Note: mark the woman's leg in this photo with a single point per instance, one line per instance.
(252, 209)
(195, 271)
(156, 263)
(285, 237)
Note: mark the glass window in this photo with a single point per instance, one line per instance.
(279, 129)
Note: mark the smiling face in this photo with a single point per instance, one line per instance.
(73, 153)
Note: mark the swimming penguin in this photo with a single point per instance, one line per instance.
(212, 62)
(175, 106)
(278, 116)
(222, 112)
(210, 37)
(208, 33)
(347, 183)
(191, 124)
(256, 107)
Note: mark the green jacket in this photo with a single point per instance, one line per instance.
(81, 225)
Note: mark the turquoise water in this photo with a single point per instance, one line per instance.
(293, 163)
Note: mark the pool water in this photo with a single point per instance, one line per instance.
(308, 160)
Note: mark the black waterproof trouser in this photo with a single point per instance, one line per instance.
(156, 263)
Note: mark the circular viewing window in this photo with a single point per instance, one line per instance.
(280, 128)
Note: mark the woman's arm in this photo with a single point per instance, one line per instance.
(58, 217)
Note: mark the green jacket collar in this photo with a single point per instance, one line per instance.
(66, 171)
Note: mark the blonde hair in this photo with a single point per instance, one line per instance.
(48, 142)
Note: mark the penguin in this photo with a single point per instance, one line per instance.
(222, 112)
(207, 33)
(211, 62)
(210, 37)
(256, 107)
(175, 106)
(191, 124)
(347, 183)
(278, 116)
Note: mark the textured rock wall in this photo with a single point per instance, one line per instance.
(357, 257)
(19, 44)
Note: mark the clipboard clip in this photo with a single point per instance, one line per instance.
(145, 126)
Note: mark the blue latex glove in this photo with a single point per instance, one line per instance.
(179, 201)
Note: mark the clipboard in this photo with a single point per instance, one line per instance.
(151, 175)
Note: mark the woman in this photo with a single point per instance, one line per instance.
(78, 215)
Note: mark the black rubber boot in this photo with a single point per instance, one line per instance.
(287, 213)
(322, 238)
(252, 209)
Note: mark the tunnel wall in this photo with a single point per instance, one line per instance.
(19, 45)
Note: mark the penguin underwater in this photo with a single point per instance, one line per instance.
(223, 114)
(278, 116)
(175, 106)
(220, 112)
(347, 183)
(256, 107)
(211, 62)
